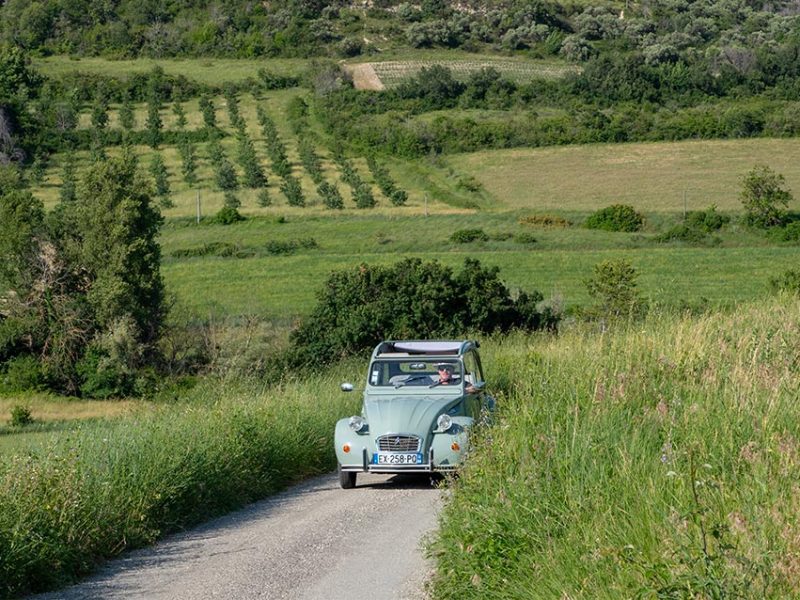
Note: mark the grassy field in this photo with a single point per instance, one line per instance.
(211, 71)
(392, 72)
(649, 176)
(658, 460)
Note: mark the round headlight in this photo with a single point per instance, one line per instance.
(356, 423)
(444, 422)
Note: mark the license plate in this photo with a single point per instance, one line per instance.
(396, 458)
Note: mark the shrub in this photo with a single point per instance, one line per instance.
(290, 187)
(546, 221)
(263, 199)
(20, 416)
(763, 197)
(364, 197)
(614, 288)
(158, 170)
(789, 233)
(707, 220)
(330, 195)
(410, 300)
(466, 236)
(617, 217)
(23, 373)
(525, 238)
(788, 281)
(688, 234)
(209, 114)
(227, 215)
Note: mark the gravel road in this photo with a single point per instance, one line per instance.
(314, 541)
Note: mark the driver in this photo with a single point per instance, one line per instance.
(445, 371)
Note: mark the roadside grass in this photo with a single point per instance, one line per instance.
(649, 176)
(657, 459)
(96, 491)
(210, 71)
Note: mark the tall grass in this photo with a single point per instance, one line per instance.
(655, 460)
(103, 489)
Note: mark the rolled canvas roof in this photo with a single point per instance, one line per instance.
(422, 347)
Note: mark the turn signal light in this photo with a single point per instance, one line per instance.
(346, 447)
(455, 447)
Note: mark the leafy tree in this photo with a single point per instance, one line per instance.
(126, 117)
(100, 113)
(87, 296)
(19, 84)
(180, 116)
(411, 299)
(330, 195)
(310, 160)
(613, 286)
(154, 123)
(253, 173)
(158, 170)
(764, 198)
(364, 197)
(68, 179)
(224, 173)
(290, 187)
(263, 199)
(188, 161)
(208, 111)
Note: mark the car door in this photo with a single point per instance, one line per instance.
(473, 380)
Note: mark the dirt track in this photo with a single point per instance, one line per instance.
(312, 542)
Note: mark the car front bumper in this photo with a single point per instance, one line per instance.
(367, 466)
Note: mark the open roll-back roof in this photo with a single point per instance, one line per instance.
(424, 347)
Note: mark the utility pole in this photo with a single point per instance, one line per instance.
(426, 204)
(198, 207)
(684, 204)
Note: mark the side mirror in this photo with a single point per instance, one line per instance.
(347, 387)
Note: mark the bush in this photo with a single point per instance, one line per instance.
(789, 233)
(546, 221)
(410, 300)
(466, 236)
(688, 234)
(788, 281)
(763, 197)
(23, 373)
(525, 238)
(263, 199)
(707, 220)
(227, 215)
(613, 286)
(617, 217)
(20, 416)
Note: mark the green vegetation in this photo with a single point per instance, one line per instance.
(111, 486)
(411, 299)
(617, 217)
(657, 459)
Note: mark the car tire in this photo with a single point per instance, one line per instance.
(347, 479)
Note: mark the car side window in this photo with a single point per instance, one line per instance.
(472, 368)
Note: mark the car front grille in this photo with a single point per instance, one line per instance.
(399, 443)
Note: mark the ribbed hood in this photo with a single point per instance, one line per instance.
(405, 414)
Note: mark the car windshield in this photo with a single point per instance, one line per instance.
(415, 372)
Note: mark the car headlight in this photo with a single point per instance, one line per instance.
(444, 422)
(357, 423)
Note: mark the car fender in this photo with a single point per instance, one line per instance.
(450, 447)
(357, 442)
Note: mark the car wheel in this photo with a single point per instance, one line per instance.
(347, 479)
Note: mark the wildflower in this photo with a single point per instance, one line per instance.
(671, 474)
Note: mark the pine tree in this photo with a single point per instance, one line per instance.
(209, 114)
(188, 162)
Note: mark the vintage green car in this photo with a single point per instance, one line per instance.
(421, 398)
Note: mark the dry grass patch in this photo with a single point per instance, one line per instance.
(649, 176)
